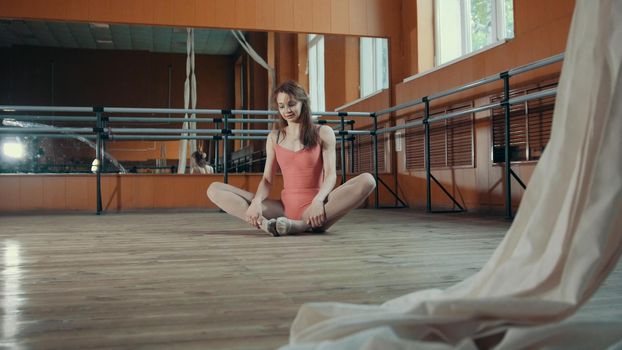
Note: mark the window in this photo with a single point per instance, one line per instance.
(451, 141)
(530, 125)
(316, 72)
(374, 65)
(464, 26)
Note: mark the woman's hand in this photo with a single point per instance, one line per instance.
(253, 214)
(317, 214)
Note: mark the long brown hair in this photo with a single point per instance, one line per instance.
(309, 135)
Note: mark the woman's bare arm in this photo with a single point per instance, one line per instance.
(265, 184)
(327, 137)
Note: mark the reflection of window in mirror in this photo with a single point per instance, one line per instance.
(465, 26)
(316, 72)
(374, 65)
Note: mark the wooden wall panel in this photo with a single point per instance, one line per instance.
(76, 190)
(126, 195)
(98, 11)
(338, 22)
(358, 16)
(31, 193)
(54, 192)
(72, 192)
(374, 23)
(408, 44)
(9, 187)
(145, 191)
(215, 12)
(302, 55)
(341, 70)
(334, 71)
(265, 13)
(321, 16)
(352, 69)
(303, 24)
(346, 17)
(285, 17)
(246, 11)
(376, 102)
(285, 57)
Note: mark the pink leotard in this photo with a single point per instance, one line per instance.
(302, 176)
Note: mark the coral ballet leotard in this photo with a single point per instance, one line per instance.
(302, 176)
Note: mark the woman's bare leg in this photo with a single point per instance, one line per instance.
(236, 201)
(340, 202)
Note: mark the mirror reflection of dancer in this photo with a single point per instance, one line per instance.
(306, 156)
(198, 163)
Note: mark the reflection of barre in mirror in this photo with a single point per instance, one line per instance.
(28, 125)
(33, 130)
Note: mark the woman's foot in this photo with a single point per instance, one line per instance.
(285, 226)
(269, 226)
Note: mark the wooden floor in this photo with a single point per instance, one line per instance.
(204, 280)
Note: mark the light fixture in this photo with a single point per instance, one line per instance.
(95, 166)
(99, 25)
(14, 149)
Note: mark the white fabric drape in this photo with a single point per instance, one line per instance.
(257, 58)
(564, 241)
(190, 97)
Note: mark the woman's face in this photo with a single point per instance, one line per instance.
(288, 107)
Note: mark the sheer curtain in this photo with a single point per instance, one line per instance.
(239, 36)
(190, 98)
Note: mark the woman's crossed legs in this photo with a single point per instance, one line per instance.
(236, 201)
(340, 201)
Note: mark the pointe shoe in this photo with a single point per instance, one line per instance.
(283, 226)
(270, 227)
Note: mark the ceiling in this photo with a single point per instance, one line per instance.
(114, 37)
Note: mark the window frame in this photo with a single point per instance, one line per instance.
(499, 30)
(315, 71)
(372, 65)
